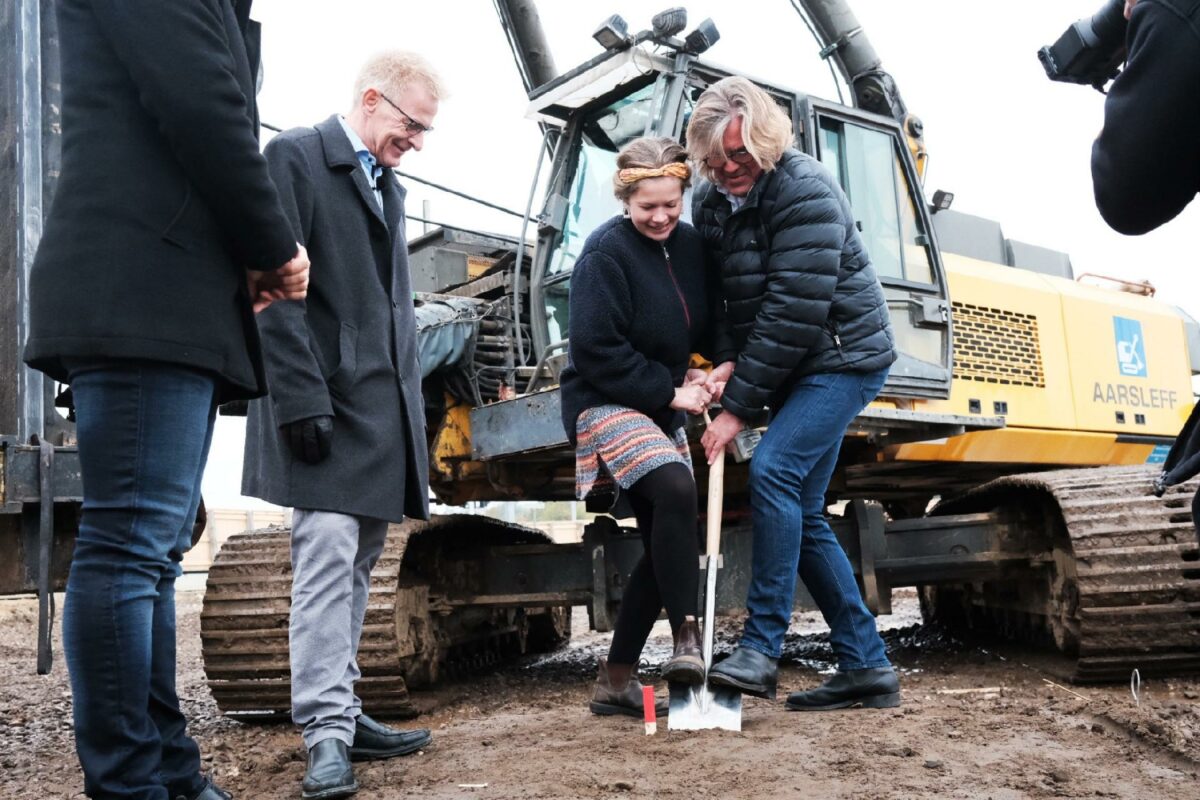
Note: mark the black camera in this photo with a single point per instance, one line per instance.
(1091, 50)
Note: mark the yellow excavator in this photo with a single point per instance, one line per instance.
(1006, 469)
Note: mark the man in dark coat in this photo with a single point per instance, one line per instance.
(341, 437)
(165, 230)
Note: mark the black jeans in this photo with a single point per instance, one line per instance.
(664, 502)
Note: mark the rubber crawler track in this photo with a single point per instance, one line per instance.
(1127, 574)
(244, 621)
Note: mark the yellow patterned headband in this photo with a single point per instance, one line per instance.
(675, 169)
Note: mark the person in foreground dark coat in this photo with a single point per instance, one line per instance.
(640, 300)
(165, 233)
(806, 333)
(1146, 160)
(341, 438)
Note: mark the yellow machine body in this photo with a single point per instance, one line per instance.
(1081, 374)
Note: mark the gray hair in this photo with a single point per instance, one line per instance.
(766, 129)
(392, 71)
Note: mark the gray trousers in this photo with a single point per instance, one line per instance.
(332, 557)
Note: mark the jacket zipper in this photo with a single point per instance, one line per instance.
(686, 314)
(837, 340)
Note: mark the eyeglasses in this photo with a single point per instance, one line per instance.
(412, 126)
(740, 156)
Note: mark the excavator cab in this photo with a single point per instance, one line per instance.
(618, 97)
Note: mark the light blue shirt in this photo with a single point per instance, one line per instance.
(369, 164)
(734, 201)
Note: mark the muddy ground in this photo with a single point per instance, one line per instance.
(979, 720)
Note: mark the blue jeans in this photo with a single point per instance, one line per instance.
(144, 430)
(789, 474)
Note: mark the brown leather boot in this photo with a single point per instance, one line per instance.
(686, 664)
(618, 691)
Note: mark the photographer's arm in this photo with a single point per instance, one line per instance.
(1146, 161)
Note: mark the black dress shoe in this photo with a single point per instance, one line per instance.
(210, 792)
(865, 688)
(374, 741)
(329, 773)
(748, 671)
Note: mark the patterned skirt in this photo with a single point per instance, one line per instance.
(619, 445)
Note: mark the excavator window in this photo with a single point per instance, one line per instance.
(867, 164)
(590, 198)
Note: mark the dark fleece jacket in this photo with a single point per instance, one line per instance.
(639, 309)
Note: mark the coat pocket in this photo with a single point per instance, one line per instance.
(193, 227)
(834, 334)
(172, 232)
(343, 377)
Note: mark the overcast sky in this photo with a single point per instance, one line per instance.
(1010, 144)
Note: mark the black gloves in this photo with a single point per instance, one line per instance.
(310, 438)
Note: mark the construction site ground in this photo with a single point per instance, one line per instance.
(980, 719)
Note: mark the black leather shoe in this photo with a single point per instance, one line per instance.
(856, 688)
(374, 741)
(748, 671)
(329, 773)
(210, 792)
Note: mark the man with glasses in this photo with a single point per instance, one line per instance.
(806, 334)
(341, 438)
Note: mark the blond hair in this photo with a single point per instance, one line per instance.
(766, 128)
(392, 71)
(649, 153)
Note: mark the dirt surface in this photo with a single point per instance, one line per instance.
(978, 721)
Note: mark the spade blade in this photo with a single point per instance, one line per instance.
(701, 708)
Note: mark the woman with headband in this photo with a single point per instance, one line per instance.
(639, 309)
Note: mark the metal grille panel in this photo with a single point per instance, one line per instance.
(993, 345)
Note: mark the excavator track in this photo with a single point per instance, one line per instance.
(407, 640)
(1121, 585)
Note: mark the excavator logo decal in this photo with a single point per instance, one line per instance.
(1131, 348)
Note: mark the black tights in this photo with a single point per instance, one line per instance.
(664, 502)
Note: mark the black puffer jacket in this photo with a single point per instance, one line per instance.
(801, 295)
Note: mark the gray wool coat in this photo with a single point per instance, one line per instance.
(349, 350)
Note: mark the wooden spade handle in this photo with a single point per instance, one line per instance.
(716, 497)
